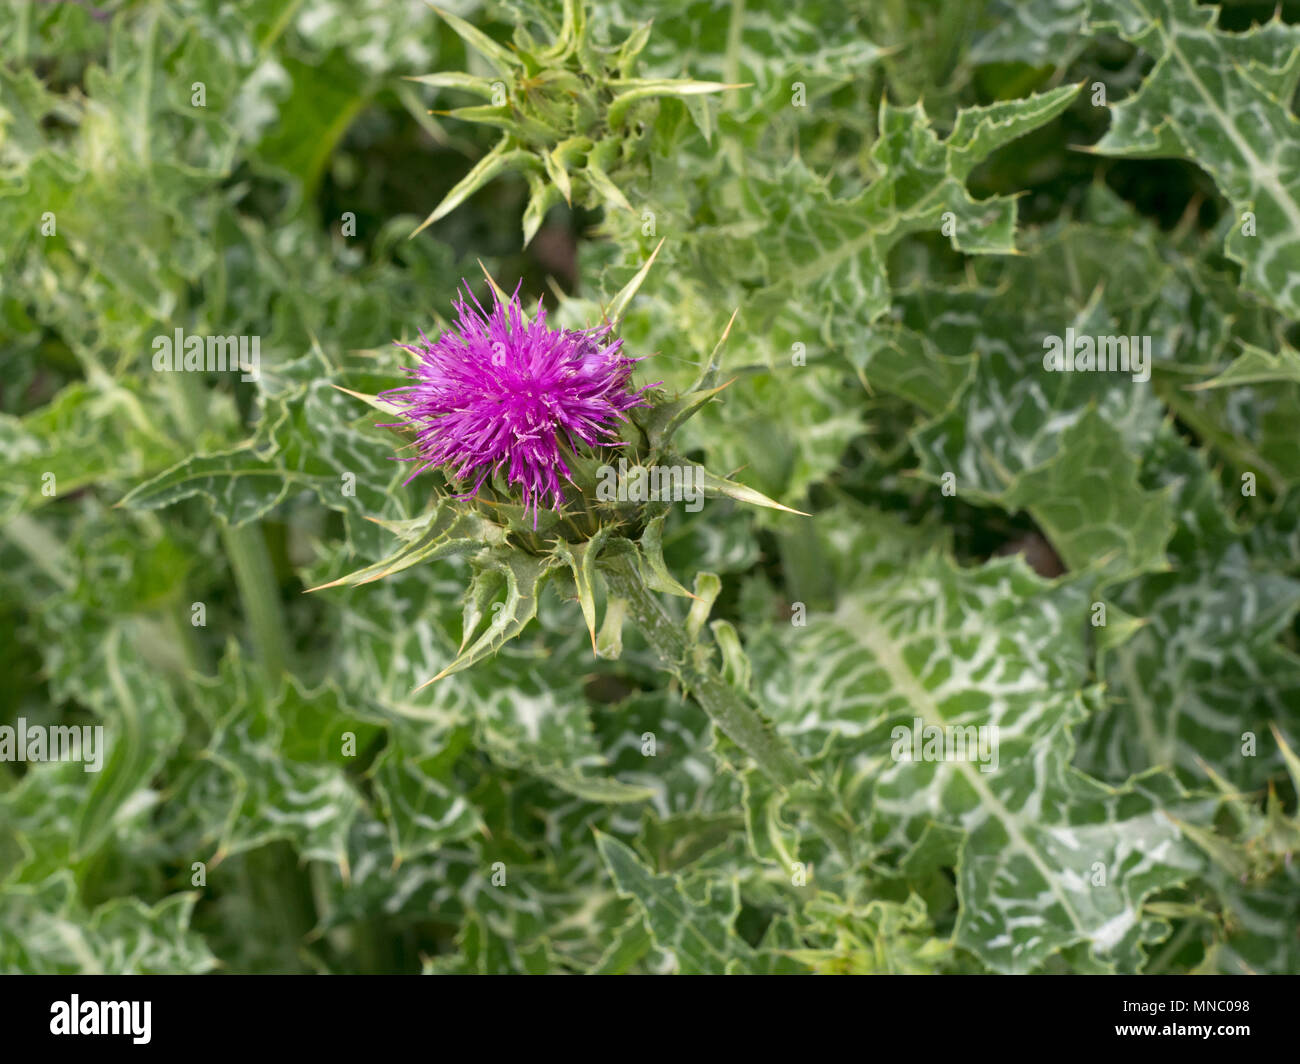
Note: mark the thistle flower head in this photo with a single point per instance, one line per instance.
(500, 394)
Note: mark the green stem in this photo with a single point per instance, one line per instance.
(731, 712)
(255, 578)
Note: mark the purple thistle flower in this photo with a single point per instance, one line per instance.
(497, 393)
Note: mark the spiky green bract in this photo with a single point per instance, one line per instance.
(573, 117)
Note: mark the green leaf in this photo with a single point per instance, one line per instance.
(419, 797)
(833, 251)
(1257, 366)
(120, 937)
(937, 647)
(85, 437)
(619, 304)
(707, 588)
(501, 58)
(714, 486)
(310, 437)
(450, 79)
(1223, 101)
(1091, 506)
(1030, 31)
(445, 531)
(521, 576)
(498, 160)
(651, 556)
(581, 559)
(609, 640)
(689, 919)
(261, 777)
(541, 725)
(1189, 709)
(627, 91)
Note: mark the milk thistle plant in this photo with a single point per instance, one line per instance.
(523, 413)
(785, 487)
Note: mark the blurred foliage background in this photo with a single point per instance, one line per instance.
(233, 828)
